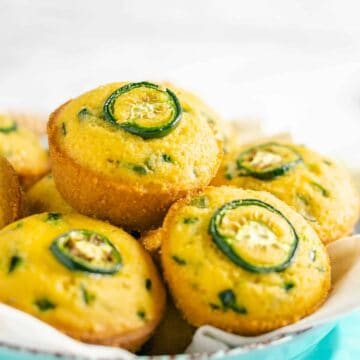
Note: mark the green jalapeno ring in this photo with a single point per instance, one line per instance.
(77, 263)
(9, 129)
(272, 173)
(226, 248)
(135, 129)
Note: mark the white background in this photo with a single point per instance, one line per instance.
(293, 64)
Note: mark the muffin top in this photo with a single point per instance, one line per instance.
(22, 148)
(242, 260)
(138, 133)
(85, 277)
(318, 188)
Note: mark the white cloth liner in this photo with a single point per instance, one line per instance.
(21, 331)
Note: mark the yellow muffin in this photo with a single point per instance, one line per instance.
(126, 151)
(23, 150)
(44, 197)
(315, 186)
(10, 194)
(85, 277)
(243, 261)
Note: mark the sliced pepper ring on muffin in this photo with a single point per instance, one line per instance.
(242, 261)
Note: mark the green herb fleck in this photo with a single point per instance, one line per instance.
(191, 220)
(63, 129)
(15, 262)
(228, 301)
(140, 169)
(150, 163)
(52, 216)
(44, 304)
(320, 188)
(148, 284)
(305, 212)
(83, 113)
(87, 296)
(141, 314)
(113, 162)
(288, 285)
(327, 162)
(179, 260)
(303, 199)
(9, 129)
(17, 225)
(167, 158)
(201, 202)
(228, 176)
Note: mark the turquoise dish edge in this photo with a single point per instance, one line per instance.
(286, 349)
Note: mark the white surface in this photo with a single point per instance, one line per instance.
(294, 64)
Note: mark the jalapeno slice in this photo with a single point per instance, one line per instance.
(7, 125)
(254, 235)
(86, 250)
(143, 109)
(267, 161)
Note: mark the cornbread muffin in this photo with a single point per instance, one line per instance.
(23, 150)
(316, 187)
(243, 261)
(85, 277)
(44, 197)
(125, 152)
(10, 194)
